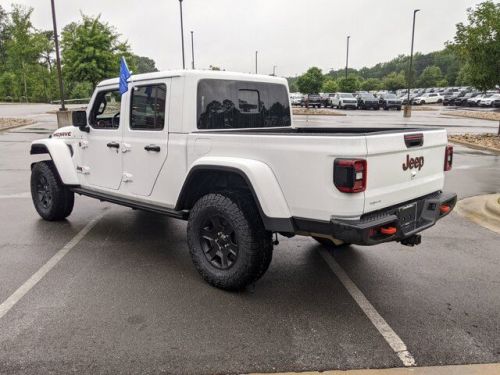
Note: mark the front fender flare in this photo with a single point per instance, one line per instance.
(61, 156)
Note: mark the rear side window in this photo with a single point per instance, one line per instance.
(147, 110)
(228, 104)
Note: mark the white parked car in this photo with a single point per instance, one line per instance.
(428, 98)
(488, 100)
(344, 100)
(219, 150)
(296, 98)
(475, 100)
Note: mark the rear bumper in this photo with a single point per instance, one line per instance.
(366, 230)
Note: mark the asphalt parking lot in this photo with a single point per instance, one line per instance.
(126, 299)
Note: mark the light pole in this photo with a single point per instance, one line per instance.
(182, 38)
(407, 111)
(256, 57)
(347, 56)
(192, 49)
(58, 57)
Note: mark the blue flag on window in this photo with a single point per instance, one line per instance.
(124, 76)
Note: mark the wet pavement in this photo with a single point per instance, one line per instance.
(126, 298)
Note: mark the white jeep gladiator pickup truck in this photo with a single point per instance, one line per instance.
(219, 150)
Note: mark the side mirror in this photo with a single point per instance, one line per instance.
(80, 120)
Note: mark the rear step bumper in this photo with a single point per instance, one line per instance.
(395, 223)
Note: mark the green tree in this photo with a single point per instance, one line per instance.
(463, 78)
(82, 90)
(371, 84)
(478, 44)
(311, 81)
(143, 64)
(442, 83)
(24, 48)
(9, 87)
(349, 84)
(292, 85)
(91, 51)
(4, 36)
(330, 85)
(430, 77)
(394, 81)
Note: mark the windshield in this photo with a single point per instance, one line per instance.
(367, 96)
(390, 96)
(344, 95)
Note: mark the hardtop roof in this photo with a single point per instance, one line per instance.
(197, 74)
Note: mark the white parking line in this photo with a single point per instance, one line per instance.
(14, 298)
(385, 330)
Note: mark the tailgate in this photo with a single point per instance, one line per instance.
(400, 170)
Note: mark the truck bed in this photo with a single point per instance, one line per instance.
(302, 161)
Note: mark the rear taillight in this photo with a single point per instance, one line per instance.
(448, 158)
(349, 175)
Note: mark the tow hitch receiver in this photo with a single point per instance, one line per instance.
(414, 240)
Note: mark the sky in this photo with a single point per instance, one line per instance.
(289, 34)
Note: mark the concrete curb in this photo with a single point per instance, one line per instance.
(320, 114)
(476, 146)
(483, 210)
(479, 369)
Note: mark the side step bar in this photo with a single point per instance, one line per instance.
(183, 215)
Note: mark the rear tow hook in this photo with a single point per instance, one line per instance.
(414, 240)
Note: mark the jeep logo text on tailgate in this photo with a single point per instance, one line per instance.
(411, 163)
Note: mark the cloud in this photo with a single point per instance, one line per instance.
(291, 34)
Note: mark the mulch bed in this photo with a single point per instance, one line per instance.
(6, 122)
(488, 141)
(494, 116)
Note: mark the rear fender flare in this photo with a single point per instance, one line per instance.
(261, 181)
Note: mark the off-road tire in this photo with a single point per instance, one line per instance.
(254, 243)
(325, 242)
(52, 199)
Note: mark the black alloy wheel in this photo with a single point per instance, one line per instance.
(43, 192)
(218, 240)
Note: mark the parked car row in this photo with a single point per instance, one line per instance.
(387, 100)
(473, 99)
(452, 96)
(344, 100)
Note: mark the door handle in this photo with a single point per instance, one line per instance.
(113, 145)
(154, 148)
